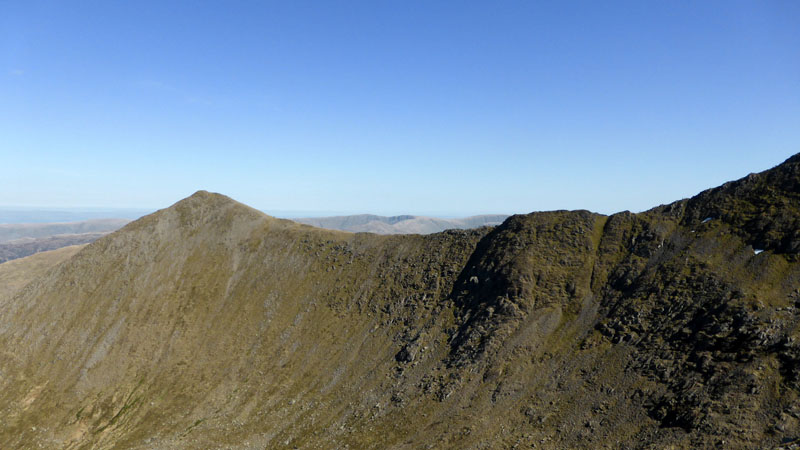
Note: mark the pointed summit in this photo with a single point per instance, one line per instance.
(207, 208)
(204, 200)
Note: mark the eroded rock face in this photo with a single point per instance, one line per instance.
(527, 264)
(209, 324)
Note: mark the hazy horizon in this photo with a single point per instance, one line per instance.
(35, 214)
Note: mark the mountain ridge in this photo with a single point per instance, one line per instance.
(210, 324)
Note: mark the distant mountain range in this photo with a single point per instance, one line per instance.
(21, 248)
(364, 223)
(24, 239)
(14, 215)
(15, 231)
(400, 224)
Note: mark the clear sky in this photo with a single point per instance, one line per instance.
(389, 107)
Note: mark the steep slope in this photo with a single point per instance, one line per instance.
(211, 325)
(401, 224)
(16, 274)
(210, 313)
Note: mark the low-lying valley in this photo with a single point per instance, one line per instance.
(212, 325)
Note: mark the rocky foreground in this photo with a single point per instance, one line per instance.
(211, 325)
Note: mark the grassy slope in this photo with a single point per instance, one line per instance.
(211, 325)
(16, 274)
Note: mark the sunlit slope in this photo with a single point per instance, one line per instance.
(211, 325)
(212, 318)
(16, 274)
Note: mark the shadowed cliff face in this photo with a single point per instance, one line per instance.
(209, 324)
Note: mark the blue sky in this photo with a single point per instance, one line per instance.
(389, 107)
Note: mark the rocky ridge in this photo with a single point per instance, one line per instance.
(211, 325)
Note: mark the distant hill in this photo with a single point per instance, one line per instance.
(21, 248)
(400, 224)
(52, 215)
(14, 231)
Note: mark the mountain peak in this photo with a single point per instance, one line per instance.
(202, 193)
(206, 203)
(209, 198)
